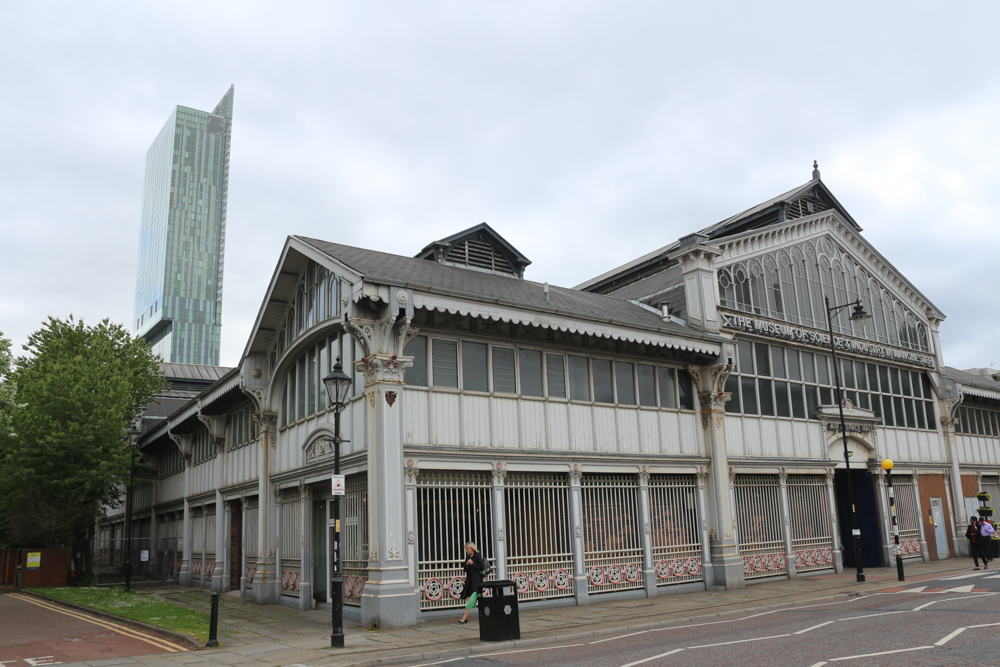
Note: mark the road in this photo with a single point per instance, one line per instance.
(34, 633)
(954, 620)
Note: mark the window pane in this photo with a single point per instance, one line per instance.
(808, 368)
(504, 381)
(579, 379)
(925, 381)
(733, 388)
(668, 387)
(531, 373)
(474, 367)
(921, 415)
(624, 383)
(300, 411)
(647, 385)
(685, 393)
(883, 378)
(929, 409)
(905, 381)
(877, 405)
(887, 411)
(793, 365)
(444, 355)
(764, 396)
(311, 383)
(873, 377)
(603, 392)
(781, 401)
(894, 376)
(847, 374)
(778, 361)
(859, 371)
(763, 360)
(555, 372)
(798, 401)
(812, 402)
(863, 400)
(822, 370)
(745, 354)
(901, 420)
(826, 395)
(748, 387)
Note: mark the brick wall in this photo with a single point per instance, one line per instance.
(52, 573)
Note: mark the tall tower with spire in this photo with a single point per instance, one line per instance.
(182, 237)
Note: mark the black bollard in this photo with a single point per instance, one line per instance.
(213, 627)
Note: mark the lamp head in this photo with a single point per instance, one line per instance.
(859, 313)
(886, 464)
(338, 385)
(134, 432)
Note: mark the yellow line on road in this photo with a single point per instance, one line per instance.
(129, 632)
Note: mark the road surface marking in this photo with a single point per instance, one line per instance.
(662, 655)
(870, 655)
(633, 634)
(960, 589)
(965, 576)
(818, 664)
(802, 632)
(924, 606)
(153, 640)
(884, 613)
(984, 625)
(481, 655)
(738, 641)
(948, 638)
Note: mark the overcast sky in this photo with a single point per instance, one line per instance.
(585, 133)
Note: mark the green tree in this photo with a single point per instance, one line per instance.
(66, 456)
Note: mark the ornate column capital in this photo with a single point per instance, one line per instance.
(381, 368)
(410, 472)
(644, 476)
(701, 477)
(575, 475)
(499, 474)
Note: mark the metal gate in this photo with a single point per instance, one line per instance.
(355, 539)
(758, 525)
(540, 551)
(907, 515)
(812, 536)
(251, 545)
(673, 515)
(290, 527)
(612, 552)
(452, 509)
(208, 567)
(197, 544)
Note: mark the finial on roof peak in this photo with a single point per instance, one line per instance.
(815, 170)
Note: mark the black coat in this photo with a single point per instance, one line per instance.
(473, 574)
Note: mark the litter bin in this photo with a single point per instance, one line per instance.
(498, 617)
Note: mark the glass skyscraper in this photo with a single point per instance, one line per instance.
(182, 239)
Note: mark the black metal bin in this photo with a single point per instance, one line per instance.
(498, 617)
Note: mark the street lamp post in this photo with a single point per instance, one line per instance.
(887, 466)
(338, 385)
(133, 443)
(858, 315)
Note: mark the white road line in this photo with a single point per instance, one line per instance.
(662, 655)
(924, 606)
(738, 641)
(480, 655)
(870, 655)
(609, 639)
(960, 589)
(948, 638)
(995, 576)
(884, 613)
(818, 664)
(965, 576)
(802, 632)
(918, 589)
(984, 625)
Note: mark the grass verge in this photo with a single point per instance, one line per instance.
(137, 607)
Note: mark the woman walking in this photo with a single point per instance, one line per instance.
(474, 567)
(972, 534)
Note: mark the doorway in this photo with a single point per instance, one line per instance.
(235, 545)
(866, 511)
(940, 536)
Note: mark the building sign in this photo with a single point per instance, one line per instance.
(34, 560)
(339, 486)
(144, 555)
(851, 428)
(819, 339)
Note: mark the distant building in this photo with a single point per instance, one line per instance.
(182, 238)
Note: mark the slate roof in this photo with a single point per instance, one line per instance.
(429, 276)
(193, 372)
(972, 380)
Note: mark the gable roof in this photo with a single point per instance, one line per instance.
(806, 199)
(977, 385)
(503, 291)
(478, 248)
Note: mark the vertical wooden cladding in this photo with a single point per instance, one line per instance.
(457, 419)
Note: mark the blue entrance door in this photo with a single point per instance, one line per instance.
(866, 510)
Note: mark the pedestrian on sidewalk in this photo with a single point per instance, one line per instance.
(972, 534)
(986, 531)
(474, 567)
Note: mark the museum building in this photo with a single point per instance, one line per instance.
(668, 426)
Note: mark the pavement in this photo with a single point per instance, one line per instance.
(273, 635)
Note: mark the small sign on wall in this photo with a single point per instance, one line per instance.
(34, 560)
(144, 555)
(338, 485)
